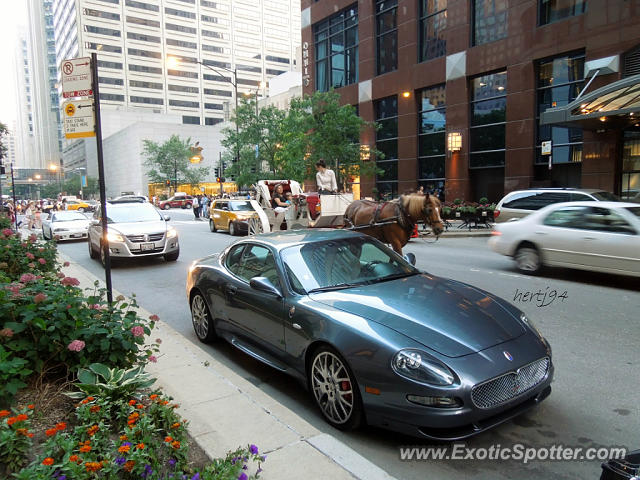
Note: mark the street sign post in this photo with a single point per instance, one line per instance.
(79, 120)
(76, 77)
(546, 150)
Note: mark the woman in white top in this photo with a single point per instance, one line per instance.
(325, 178)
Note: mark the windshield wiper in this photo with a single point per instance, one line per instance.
(393, 276)
(338, 286)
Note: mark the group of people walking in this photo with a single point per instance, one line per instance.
(200, 205)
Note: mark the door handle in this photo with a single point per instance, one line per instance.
(541, 233)
(588, 238)
(231, 290)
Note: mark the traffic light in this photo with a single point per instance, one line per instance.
(3, 169)
(220, 179)
(217, 172)
(224, 166)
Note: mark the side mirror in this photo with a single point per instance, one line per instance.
(411, 258)
(263, 284)
(167, 218)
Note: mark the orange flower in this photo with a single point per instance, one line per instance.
(11, 420)
(73, 458)
(153, 397)
(22, 431)
(91, 399)
(168, 439)
(84, 402)
(140, 446)
(132, 402)
(139, 406)
(22, 417)
(93, 466)
(61, 426)
(85, 448)
(31, 406)
(92, 430)
(124, 449)
(175, 444)
(131, 421)
(30, 435)
(94, 409)
(129, 465)
(123, 438)
(164, 402)
(51, 432)
(4, 413)
(47, 461)
(176, 425)
(175, 405)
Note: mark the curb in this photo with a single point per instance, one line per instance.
(225, 410)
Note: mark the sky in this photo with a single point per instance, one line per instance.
(13, 13)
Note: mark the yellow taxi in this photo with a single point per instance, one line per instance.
(78, 205)
(231, 215)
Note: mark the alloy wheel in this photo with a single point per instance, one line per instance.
(201, 319)
(527, 260)
(332, 387)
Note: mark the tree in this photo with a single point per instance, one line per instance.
(170, 161)
(3, 148)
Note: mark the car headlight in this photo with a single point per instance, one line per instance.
(421, 367)
(527, 321)
(172, 232)
(114, 237)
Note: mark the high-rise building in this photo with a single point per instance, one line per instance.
(178, 56)
(25, 147)
(45, 109)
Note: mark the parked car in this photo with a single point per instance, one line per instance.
(603, 237)
(182, 201)
(134, 230)
(231, 215)
(372, 337)
(65, 225)
(521, 203)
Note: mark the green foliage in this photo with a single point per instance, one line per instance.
(170, 161)
(457, 201)
(111, 383)
(13, 372)
(18, 256)
(5, 221)
(15, 438)
(483, 200)
(3, 147)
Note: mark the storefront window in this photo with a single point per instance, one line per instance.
(432, 138)
(433, 21)
(488, 120)
(387, 143)
(630, 187)
(489, 21)
(553, 10)
(387, 35)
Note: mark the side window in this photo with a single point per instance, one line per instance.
(547, 198)
(568, 217)
(604, 220)
(233, 260)
(258, 261)
(580, 197)
(520, 200)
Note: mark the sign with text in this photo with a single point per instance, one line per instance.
(79, 121)
(546, 148)
(76, 77)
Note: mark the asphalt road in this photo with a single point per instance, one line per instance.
(592, 329)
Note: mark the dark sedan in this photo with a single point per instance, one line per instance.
(373, 338)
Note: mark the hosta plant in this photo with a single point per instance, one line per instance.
(110, 383)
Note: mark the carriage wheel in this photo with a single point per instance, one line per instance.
(255, 226)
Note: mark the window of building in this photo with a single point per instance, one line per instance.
(489, 21)
(488, 120)
(560, 80)
(142, 5)
(219, 35)
(110, 32)
(142, 37)
(100, 14)
(181, 43)
(189, 120)
(630, 184)
(215, 78)
(246, 81)
(179, 28)
(550, 11)
(111, 97)
(433, 21)
(149, 100)
(183, 88)
(386, 35)
(179, 13)
(213, 48)
(102, 47)
(143, 53)
(386, 110)
(182, 73)
(214, 106)
(271, 71)
(117, 2)
(212, 121)
(249, 68)
(110, 81)
(183, 103)
(336, 48)
(215, 63)
(431, 137)
(113, 65)
(220, 93)
(143, 21)
(143, 69)
(140, 84)
(271, 58)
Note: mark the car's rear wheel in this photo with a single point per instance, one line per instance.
(335, 390)
(528, 259)
(166, 206)
(173, 256)
(92, 252)
(212, 225)
(201, 319)
(232, 229)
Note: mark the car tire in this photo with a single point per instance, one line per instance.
(81, 210)
(92, 252)
(528, 259)
(212, 225)
(335, 390)
(232, 229)
(201, 319)
(103, 258)
(172, 256)
(166, 206)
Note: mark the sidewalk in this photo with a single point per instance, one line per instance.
(456, 230)
(226, 411)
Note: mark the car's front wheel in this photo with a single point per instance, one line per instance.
(335, 389)
(528, 259)
(172, 256)
(201, 319)
(212, 225)
(232, 229)
(92, 252)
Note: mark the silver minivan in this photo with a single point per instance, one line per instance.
(521, 203)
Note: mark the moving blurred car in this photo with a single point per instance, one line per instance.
(372, 337)
(182, 201)
(134, 230)
(78, 205)
(141, 198)
(603, 237)
(65, 225)
(521, 203)
(231, 215)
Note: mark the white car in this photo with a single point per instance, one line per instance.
(602, 236)
(65, 225)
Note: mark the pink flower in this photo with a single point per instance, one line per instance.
(39, 298)
(97, 306)
(42, 261)
(70, 281)
(7, 232)
(66, 264)
(33, 237)
(31, 265)
(60, 275)
(153, 358)
(154, 318)
(30, 255)
(137, 331)
(40, 249)
(27, 277)
(6, 332)
(76, 345)
(158, 341)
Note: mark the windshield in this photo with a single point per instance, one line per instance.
(606, 196)
(344, 263)
(241, 206)
(634, 210)
(135, 213)
(67, 217)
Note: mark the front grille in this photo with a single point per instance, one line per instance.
(147, 252)
(511, 385)
(152, 237)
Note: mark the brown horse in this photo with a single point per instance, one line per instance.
(393, 222)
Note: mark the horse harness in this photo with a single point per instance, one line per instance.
(402, 217)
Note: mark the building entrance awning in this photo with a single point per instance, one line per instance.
(616, 105)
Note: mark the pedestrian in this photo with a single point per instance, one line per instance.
(205, 206)
(196, 207)
(30, 216)
(325, 178)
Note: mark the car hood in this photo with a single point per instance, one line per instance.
(449, 317)
(139, 228)
(74, 224)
